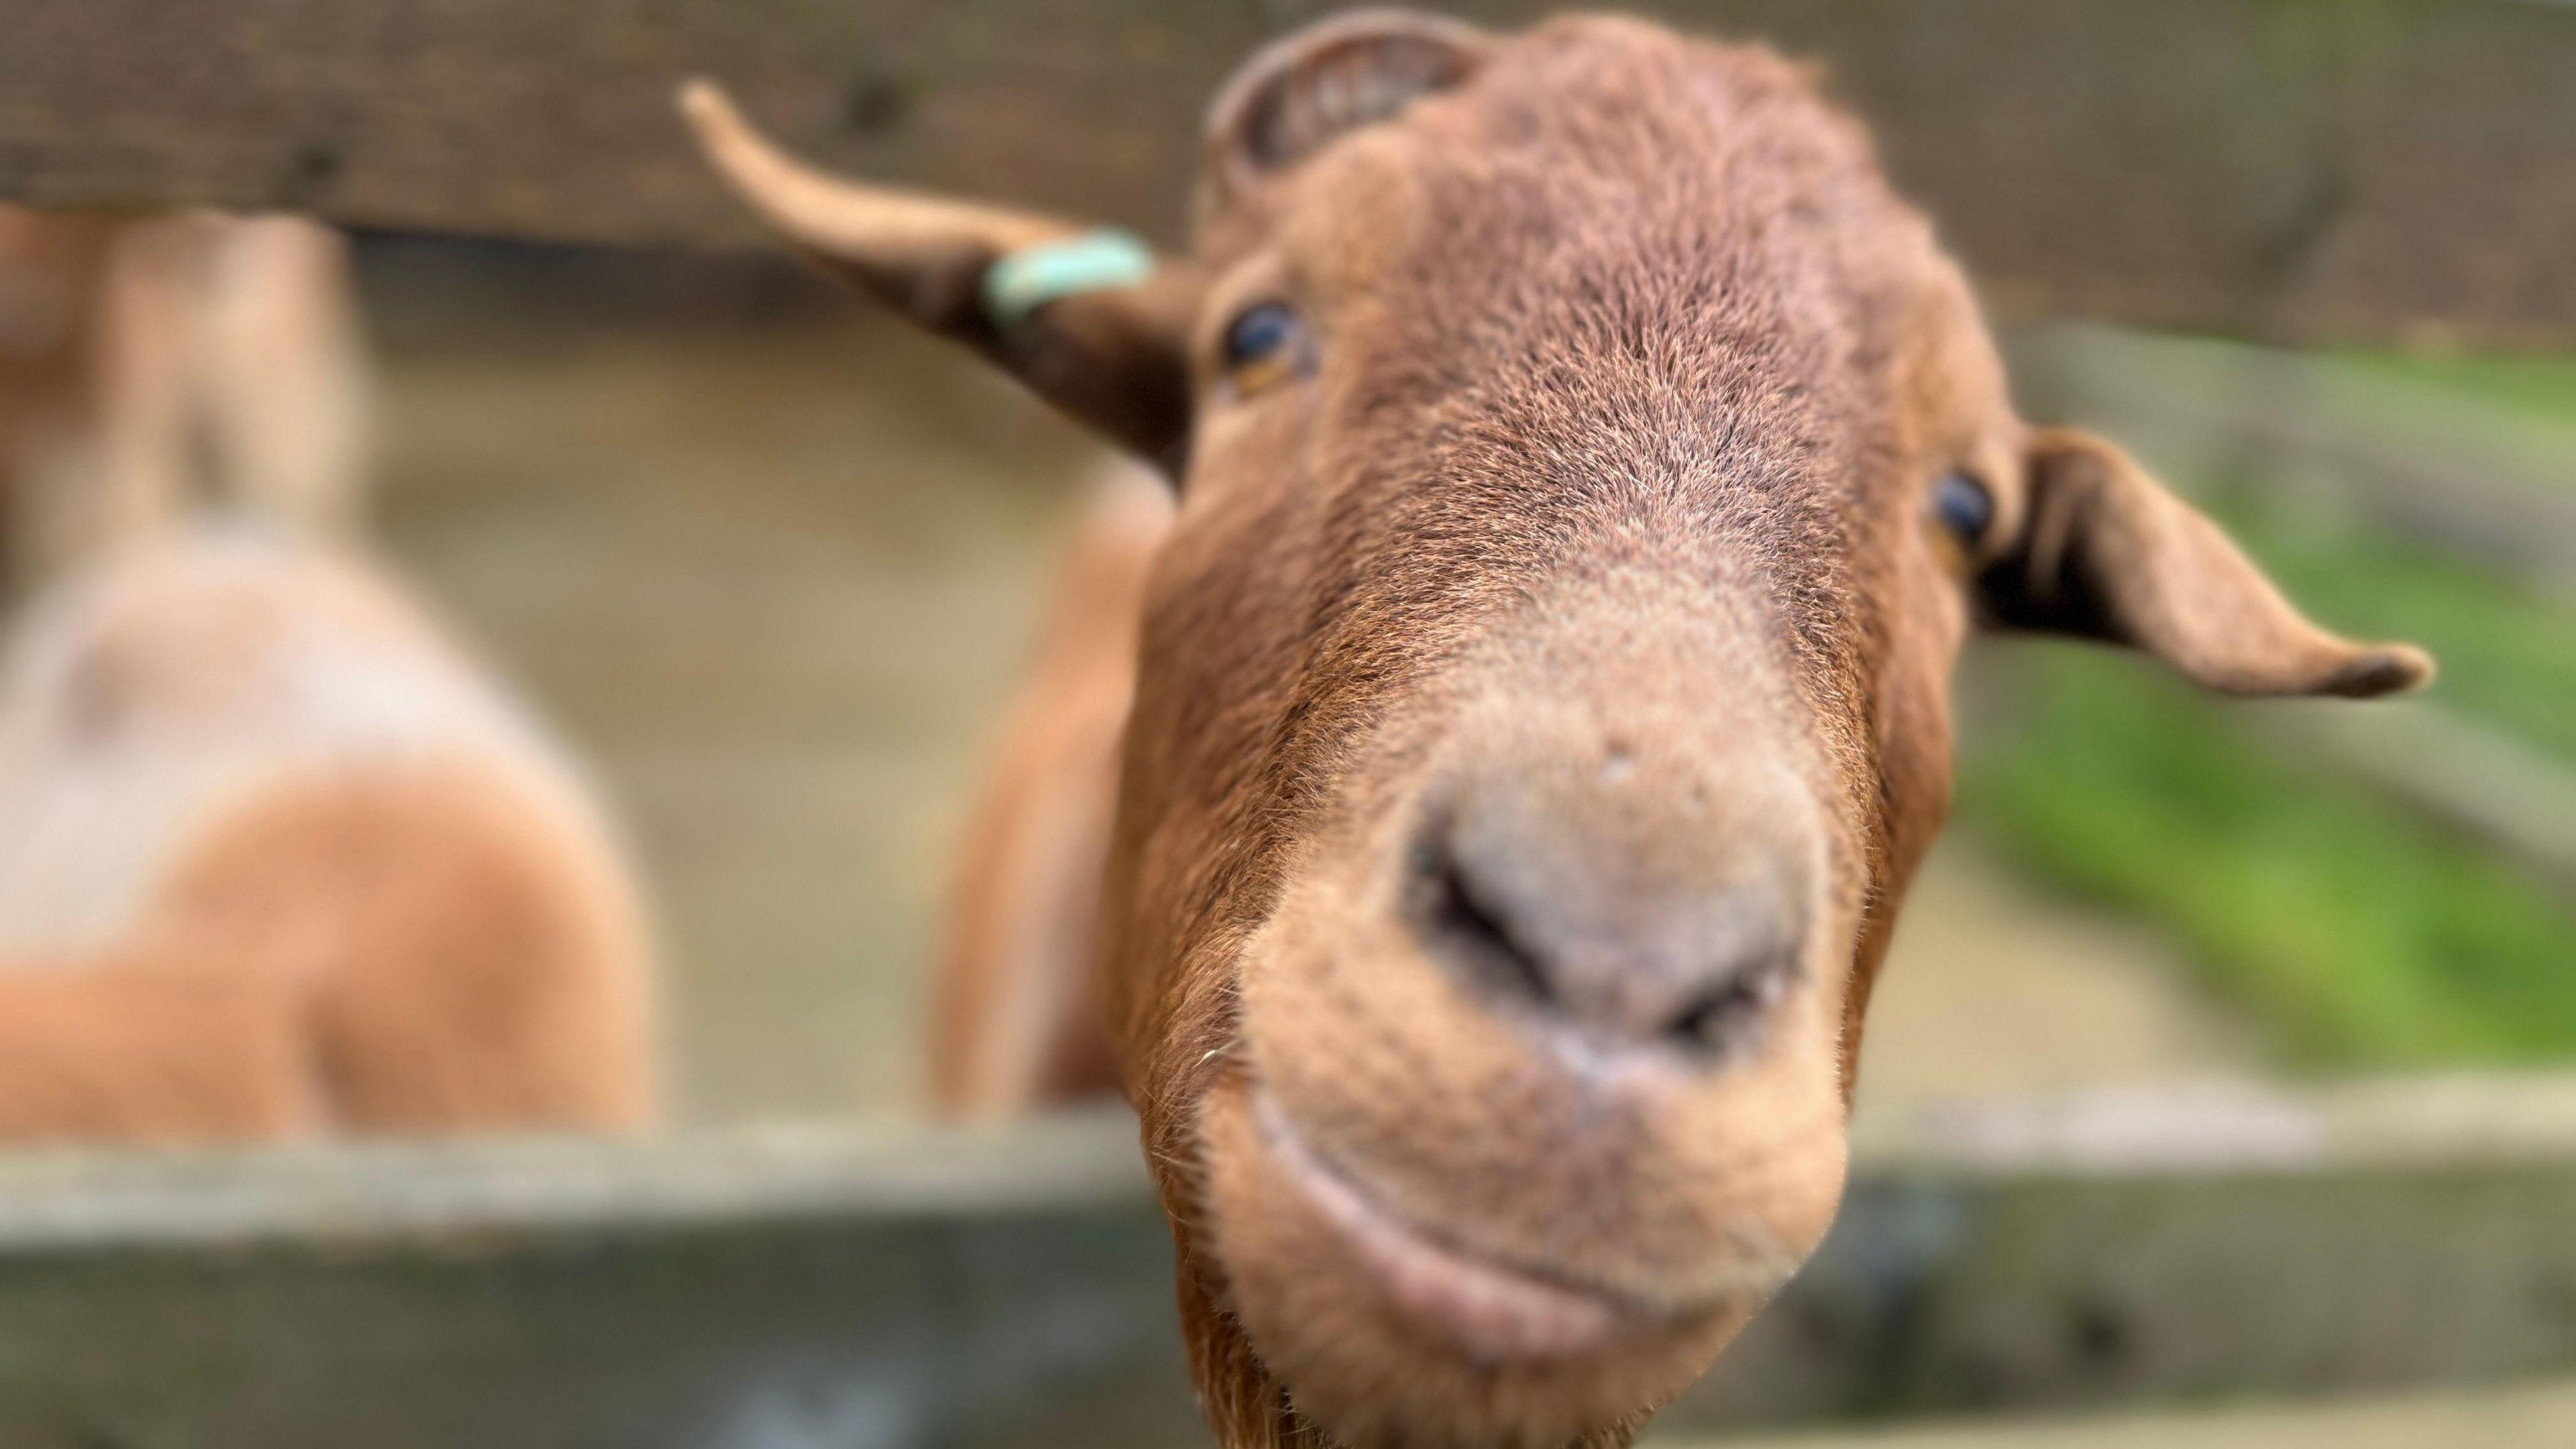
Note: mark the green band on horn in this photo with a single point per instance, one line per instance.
(1096, 261)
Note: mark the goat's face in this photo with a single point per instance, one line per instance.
(1588, 472)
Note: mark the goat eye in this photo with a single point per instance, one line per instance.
(1964, 506)
(1263, 346)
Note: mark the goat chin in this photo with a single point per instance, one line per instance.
(1379, 1327)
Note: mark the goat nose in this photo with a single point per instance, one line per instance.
(1621, 948)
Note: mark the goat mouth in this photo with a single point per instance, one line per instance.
(1493, 1310)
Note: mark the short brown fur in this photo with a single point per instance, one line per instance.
(394, 951)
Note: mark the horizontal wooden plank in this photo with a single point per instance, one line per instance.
(2523, 1417)
(2289, 167)
(745, 1291)
(380, 1192)
(2145, 1247)
(830, 1286)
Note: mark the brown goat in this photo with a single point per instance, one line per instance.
(275, 859)
(1588, 471)
(1013, 1024)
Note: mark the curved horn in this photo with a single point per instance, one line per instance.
(923, 254)
(1109, 346)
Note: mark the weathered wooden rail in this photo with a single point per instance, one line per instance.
(833, 1286)
(2290, 167)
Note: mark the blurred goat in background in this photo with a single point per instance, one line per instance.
(1012, 1025)
(276, 858)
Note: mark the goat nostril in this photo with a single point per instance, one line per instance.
(1477, 931)
(1722, 1015)
(1609, 957)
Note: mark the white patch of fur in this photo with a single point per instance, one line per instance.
(144, 699)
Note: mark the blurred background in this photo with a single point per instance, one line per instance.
(774, 561)
(2217, 1091)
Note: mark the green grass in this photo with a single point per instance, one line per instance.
(2541, 384)
(2357, 933)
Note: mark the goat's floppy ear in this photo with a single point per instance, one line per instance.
(1336, 75)
(2105, 552)
(1089, 319)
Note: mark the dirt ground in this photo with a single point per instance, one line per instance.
(1995, 987)
(774, 580)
